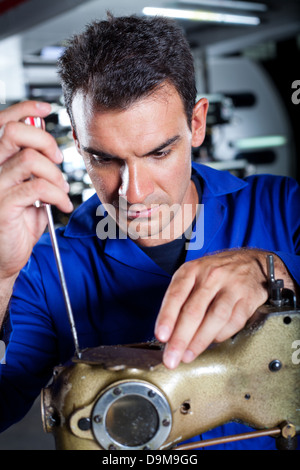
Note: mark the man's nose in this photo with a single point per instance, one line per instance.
(136, 183)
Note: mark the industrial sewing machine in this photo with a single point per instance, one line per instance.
(124, 398)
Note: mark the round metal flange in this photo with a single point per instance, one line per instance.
(131, 415)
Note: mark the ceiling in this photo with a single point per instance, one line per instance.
(32, 25)
(42, 23)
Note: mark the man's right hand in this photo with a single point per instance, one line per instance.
(26, 151)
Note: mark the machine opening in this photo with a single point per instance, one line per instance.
(132, 420)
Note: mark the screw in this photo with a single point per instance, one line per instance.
(151, 394)
(166, 422)
(288, 430)
(275, 365)
(117, 391)
(53, 419)
(84, 424)
(98, 419)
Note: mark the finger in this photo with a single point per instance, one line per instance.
(188, 323)
(240, 315)
(176, 294)
(26, 164)
(217, 316)
(16, 135)
(20, 111)
(25, 195)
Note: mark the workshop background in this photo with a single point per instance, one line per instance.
(247, 56)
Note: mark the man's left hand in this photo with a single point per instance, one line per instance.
(210, 299)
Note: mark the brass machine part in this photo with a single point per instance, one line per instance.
(252, 378)
(275, 432)
(285, 430)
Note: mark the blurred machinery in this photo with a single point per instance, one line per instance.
(248, 128)
(58, 124)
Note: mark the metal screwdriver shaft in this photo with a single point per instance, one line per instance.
(62, 277)
(38, 123)
(270, 273)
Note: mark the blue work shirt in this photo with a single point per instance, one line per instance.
(116, 290)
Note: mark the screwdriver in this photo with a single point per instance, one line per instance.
(38, 122)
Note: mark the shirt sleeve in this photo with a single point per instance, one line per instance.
(32, 349)
(291, 213)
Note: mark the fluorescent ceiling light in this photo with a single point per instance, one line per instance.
(234, 5)
(260, 142)
(198, 15)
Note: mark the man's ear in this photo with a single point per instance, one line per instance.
(199, 122)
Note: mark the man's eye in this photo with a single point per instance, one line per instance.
(162, 154)
(101, 160)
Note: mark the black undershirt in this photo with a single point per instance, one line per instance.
(170, 256)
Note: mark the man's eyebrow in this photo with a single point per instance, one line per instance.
(158, 149)
(101, 153)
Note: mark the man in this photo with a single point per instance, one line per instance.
(130, 93)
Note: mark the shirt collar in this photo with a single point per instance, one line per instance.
(215, 183)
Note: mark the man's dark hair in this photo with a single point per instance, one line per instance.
(123, 59)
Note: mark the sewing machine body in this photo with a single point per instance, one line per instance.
(123, 397)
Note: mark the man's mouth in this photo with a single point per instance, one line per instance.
(141, 212)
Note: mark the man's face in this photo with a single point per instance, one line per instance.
(139, 161)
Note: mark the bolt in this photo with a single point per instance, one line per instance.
(84, 424)
(288, 430)
(98, 419)
(275, 365)
(117, 391)
(151, 394)
(166, 422)
(52, 421)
